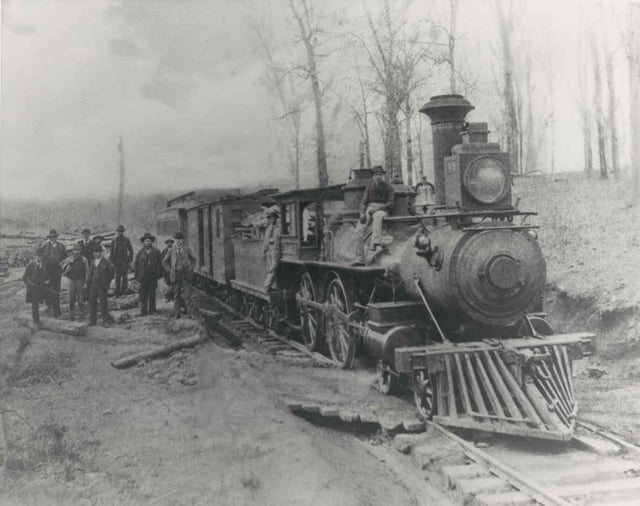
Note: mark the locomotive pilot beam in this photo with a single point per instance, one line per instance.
(450, 306)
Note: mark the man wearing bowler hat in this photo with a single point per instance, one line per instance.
(76, 270)
(35, 277)
(148, 270)
(86, 245)
(100, 276)
(375, 205)
(179, 262)
(54, 254)
(121, 257)
(169, 293)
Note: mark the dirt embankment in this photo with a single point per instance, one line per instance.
(590, 236)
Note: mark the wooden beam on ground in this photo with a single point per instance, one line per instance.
(163, 351)
(123, 303)
(54, 325)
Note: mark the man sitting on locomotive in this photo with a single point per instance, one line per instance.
(272, 248)
(375, 205)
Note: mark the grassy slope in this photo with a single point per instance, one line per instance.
(590, 236)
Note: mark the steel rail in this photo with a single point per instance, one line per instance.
(538, 493)
(602, 432)
(9, 283)
(293, 344)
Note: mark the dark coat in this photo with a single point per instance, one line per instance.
(35, 278)
(148, 266)
(171, 257)
(86, 249)
(102, 274)
(121, 251)
(53, 254)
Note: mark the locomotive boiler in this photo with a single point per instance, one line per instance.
(450, 307)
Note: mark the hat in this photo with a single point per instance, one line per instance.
(120, 228)
(86, 231)
(178, 235)
(52, 233)
(378, 169)
(77, 247)
(98, 248)
(147, 235)
(98, 238)
(40, 251)
(169, 241)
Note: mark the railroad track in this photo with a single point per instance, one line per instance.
(235, 327)
(515, 473)
(7, 284)
(597, 468)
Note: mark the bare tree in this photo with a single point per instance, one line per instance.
(506, 31)
(362, 120)
(597, 106)
(121, 173)
(609, 56)
(309, 30)
(584, 104)
(631, 41)
(395, 58)
(279, 81)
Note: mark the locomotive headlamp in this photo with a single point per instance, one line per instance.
(486, 180)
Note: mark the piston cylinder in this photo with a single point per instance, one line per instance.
(382, 345)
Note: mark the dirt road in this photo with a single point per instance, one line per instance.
(205, 426)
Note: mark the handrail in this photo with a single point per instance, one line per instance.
(433, 318)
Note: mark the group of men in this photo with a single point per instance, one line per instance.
(90, 270)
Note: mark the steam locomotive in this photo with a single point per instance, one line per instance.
(451, 307)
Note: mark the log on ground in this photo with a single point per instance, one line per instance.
(123, 303)
(163, 351)
(54, 325)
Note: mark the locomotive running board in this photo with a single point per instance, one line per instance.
(519, 386)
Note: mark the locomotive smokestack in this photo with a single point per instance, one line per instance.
(447, 114)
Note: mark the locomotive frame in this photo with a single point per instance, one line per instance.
(451, 307)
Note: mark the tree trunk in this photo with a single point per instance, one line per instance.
(163, 351)
(453, 11)
(365, 124)
(588, 153)
(597, 106)
(613, 128)
(633, 59)
(121, 186)
(409, 153)
(512, 131)
(54, 325)
(420, 151)
(307, 36)
(393, 145)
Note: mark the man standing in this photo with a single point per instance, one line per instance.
(375, 205)
(179, 263)
(76, 269)
(121, 257)
(54, 254)
(100, 276)
(86, 245)
(35, 278)
(148, 270)
(169, 293)
(272, 247)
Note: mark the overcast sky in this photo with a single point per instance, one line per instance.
(180, 81)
